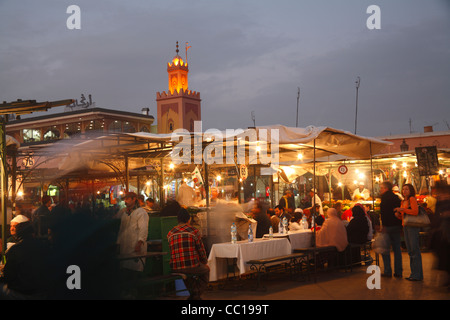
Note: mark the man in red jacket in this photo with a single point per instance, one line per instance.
(188, 255)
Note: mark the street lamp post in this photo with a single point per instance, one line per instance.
(357, 82)
(298, 98)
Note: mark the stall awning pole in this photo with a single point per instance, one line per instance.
(127, 175)
(4, 180)
(371, 174)
(161, 185)
(313, 209)
(208, 211)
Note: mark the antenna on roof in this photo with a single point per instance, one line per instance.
(446, 123)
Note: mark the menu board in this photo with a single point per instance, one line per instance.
(427, 161)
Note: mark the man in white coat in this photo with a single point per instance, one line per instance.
(186, 195)
(133, 231)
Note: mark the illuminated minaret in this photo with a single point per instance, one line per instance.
(179, 107)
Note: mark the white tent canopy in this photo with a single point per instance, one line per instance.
(318, 143)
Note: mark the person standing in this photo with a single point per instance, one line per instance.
(186, 195)
(288, 202)
(361, 193)
(412, 238)
(133, 231)
(41, 217)
(392, 227)
(316, 202)
(188, 255)
(262, 219)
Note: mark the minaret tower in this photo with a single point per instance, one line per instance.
(179, 107)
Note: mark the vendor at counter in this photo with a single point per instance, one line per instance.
(315, 200)
(361, 193)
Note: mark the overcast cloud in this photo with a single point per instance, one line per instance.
(245, 56)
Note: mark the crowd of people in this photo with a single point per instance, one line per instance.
(360, 224)
(43, 244)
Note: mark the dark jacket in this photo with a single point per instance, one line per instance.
(24, 271)
(389, 201)
(358, 228)
(41, 221)
(263, 225)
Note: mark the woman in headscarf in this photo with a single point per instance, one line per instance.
(358, 227)
(333, 232)
(357, 231)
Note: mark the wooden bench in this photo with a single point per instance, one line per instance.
(363, 253)
(313, 252)
(292, 261)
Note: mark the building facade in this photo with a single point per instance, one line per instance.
(408, 142)
(53, 127)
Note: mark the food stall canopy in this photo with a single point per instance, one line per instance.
(328, 142)
(12, 141)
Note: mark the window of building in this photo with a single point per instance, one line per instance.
(128, 127)
(115, 126)
(95, 125)
(31, 135)
(171, 125)
(144, 129)
(71, 129)
(51, 134)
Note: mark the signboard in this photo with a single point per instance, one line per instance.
(427, 161)
(343, 169)
(243, 172)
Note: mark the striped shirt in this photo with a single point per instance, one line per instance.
(186, 247)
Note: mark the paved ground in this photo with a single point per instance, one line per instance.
(340, 285)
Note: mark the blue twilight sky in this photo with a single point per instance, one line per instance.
(245, 55)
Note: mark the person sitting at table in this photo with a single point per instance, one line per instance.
(357, 231)
(151, 205)
(333, 232)
(281, 213)
(188, 255)
(263, 222)
(294, 224)
(358, 227)
(274, 220)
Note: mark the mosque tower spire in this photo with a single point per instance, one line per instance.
(179, 107)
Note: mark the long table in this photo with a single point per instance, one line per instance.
(298, 239)
(244, 251)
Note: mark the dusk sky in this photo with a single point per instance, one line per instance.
(245, 56)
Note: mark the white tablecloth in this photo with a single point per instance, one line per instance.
(244, 251)
(301, 239)
(298, 239)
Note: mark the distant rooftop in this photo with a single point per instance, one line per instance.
(415, 135)
(81, 112)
